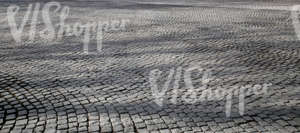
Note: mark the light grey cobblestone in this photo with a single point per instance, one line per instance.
(54, 86)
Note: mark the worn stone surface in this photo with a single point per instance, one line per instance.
(53, 86)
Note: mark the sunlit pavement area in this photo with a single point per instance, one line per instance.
(53, 86)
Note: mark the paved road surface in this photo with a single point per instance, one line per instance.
(48, 86)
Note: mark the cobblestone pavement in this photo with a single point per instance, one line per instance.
(54, 86)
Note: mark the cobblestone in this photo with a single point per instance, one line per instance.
(53, 86)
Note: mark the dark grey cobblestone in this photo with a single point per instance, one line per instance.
(49, 87)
